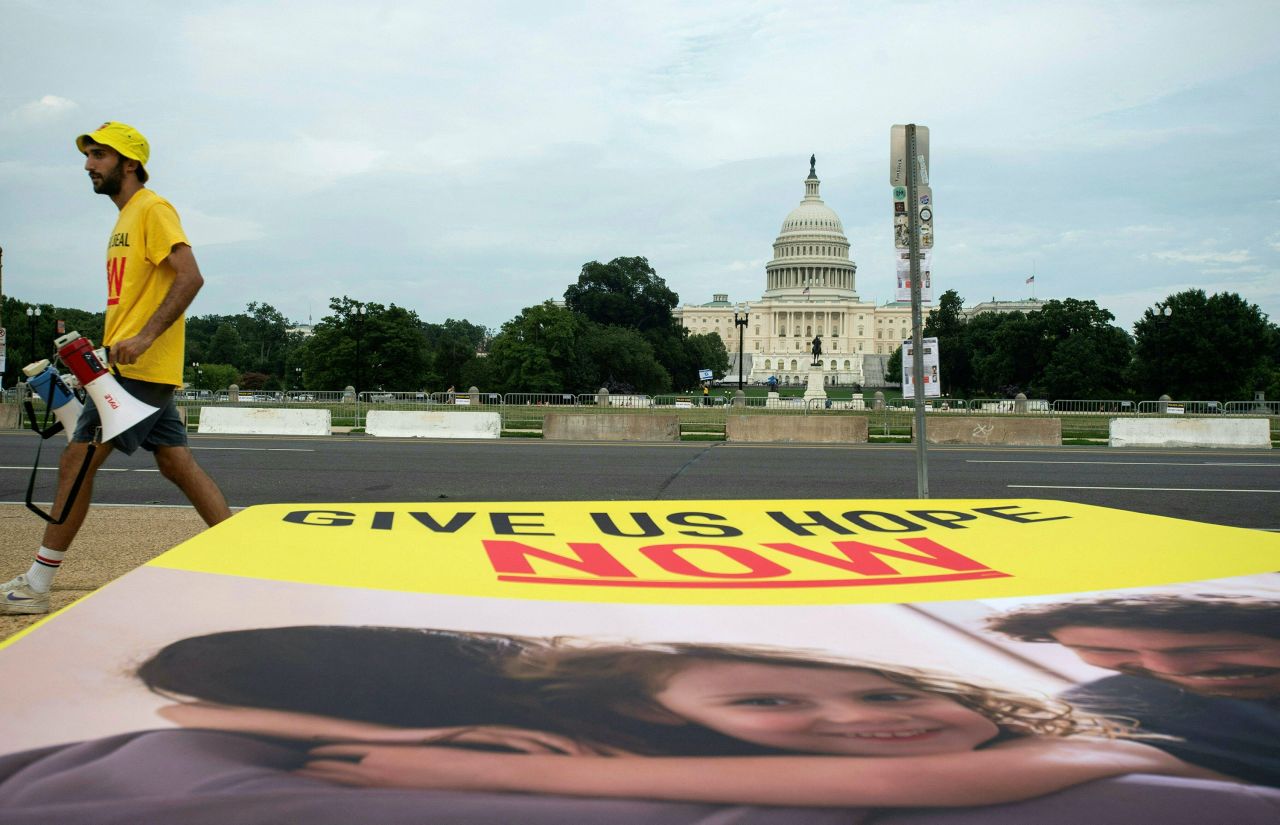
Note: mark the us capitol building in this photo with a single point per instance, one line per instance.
(811, 289)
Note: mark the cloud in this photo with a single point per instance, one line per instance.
(47, 109)
(209, 230)
(1235, 256)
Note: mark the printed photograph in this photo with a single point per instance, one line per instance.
(309, 702)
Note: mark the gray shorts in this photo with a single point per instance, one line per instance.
(164, 428)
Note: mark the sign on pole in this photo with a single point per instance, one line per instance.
(903, 262)
(898, 155)
(931, 380)
(913, 217)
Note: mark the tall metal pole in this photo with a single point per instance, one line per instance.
(742, 328)
(359, 360)
(917, 325)
(4, 345)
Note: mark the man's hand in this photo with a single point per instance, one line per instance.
(130, 350)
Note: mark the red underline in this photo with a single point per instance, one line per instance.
(737, 585)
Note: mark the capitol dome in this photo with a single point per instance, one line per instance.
(811, 253)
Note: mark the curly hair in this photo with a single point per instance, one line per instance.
(1202, 613)
(572, 674)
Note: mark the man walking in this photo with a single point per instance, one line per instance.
(152, 277)
(1202, 671)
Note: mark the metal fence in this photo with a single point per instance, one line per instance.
(524, 412)
(1253, 407)
(1164, 407)
(1095, 407)
(1017, 406)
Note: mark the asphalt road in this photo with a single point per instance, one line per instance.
(1237, 488)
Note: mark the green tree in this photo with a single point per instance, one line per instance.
(265, 333)
(225, 347)
(383, 348)
(705, 351)
(893, 368)
(628, 293)
(1217, 347)
(946, 322)
(625, 292)
(1079, 352)
(618, 359)
(13, 313)
(450, 347)
(1092, 363)
(478, 372)
(536, 351)
(1003, 346)
(212, 377)
(199, 333)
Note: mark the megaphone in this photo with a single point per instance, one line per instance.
(45, 382)
(117, 409)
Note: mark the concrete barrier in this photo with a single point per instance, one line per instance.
(11, 416)
(1191, 432)
(809, 429)
(611, 427)
(423, 424)
(263, 421)
(987, 429)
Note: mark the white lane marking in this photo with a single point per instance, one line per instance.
(98, 504)
(1143, 489)
(261, 449)
(1124, 463)
(100, 469)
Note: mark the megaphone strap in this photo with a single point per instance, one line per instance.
(71, 495)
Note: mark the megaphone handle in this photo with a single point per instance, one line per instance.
(71, 495)
(45, 431)
(115, 370)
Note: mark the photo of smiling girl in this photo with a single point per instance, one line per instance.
(808, 731)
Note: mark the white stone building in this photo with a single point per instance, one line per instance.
(810, 289)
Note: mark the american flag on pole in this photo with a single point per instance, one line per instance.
(1031, 280)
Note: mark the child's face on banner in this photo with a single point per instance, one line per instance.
(819, 710)
(1238, 665)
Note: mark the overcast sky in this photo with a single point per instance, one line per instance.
(465, 159)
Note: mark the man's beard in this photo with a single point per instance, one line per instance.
(111, 182)
(1219, 681)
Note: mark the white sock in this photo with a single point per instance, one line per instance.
(40, 576)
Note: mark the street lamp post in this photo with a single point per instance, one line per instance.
(297, 378)
(197, 373)
(360, 313)
(741, 324)
(1162, 316)
(32, 315)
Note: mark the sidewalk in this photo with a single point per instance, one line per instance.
(113, 541)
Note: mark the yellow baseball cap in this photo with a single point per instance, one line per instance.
(122, 137)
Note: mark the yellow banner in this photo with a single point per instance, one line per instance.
(725, 552)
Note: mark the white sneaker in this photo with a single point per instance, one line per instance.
(16, 596)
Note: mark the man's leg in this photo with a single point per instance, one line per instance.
(59, 536)
(179, 466)
(29, 593)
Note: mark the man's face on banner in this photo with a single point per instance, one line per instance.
(1236, 665)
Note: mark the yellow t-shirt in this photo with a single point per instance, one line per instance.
(138, 279)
